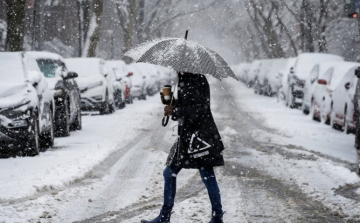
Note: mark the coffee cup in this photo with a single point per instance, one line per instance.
(167, 92)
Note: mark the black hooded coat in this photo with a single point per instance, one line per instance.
(199, 143)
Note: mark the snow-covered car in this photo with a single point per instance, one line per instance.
(95, 83)
(167, 76)
(342, 112)
(324, 71)
(120, 69)
(241, 71)
(283, 76)
(26, 106)
(65, 91)
(304, 63)
(151, 72)
(253, 73)
(138, 81)
(260, 79)
(322, 102)
(124, 76)
(119, 88)
(271, 81)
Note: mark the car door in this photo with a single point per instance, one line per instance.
(45, 97)
(71, 89)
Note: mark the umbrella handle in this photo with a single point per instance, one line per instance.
(165, 121)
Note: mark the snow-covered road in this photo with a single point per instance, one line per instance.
(280, 167)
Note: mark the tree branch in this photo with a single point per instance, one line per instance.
(180, 15)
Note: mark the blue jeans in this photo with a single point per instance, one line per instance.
(207, 176)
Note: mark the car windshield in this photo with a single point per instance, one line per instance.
(48, 67)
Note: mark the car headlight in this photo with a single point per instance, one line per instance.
(18, 124)
(98, 97)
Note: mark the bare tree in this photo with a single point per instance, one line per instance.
(92, 24)
(15, 24)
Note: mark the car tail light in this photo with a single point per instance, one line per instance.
(322, 82)
(127, 89)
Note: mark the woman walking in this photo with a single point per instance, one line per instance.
(198, 146)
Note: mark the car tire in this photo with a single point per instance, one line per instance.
(357, 138)
(306, 111)
(32, 146)
(312, 112)
(122, 105)
(62, 120)
(346, 123)
(106, 108)
(77, 125)
(47, 139)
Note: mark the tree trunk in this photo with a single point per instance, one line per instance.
(140, 22)
(95, 37)
(130, 28)
(15, 25)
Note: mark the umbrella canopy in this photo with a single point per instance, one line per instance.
(183, 56)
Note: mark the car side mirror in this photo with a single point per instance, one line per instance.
(119, 79)
(347, 86)
(34, 77)
(71, 75)
(357, 72)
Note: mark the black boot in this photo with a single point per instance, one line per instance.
(217, 218)
(164, 216)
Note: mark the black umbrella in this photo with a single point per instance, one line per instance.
(183, 56)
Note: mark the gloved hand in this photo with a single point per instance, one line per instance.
(167, 102)
(168, 110)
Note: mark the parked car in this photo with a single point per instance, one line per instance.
(119, 89)
(253, 73)
(121, 73)
(322, 103)
(260, 78)
(241, 71)
(138, 81)
(283, 76)
(342, 101)
(151, 72)
(301, 70)
(271, 82)
(323, 70)
(26, 107)
(65, 91)
(95, 83)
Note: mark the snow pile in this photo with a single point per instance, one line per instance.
(74, 157)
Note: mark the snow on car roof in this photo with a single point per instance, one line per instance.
(119, 66)
(276, 65)
(340, 70)
(264, 68)
(306, 61)
(85, 67)
(11, 68)
(326, 70)
(43, 55)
